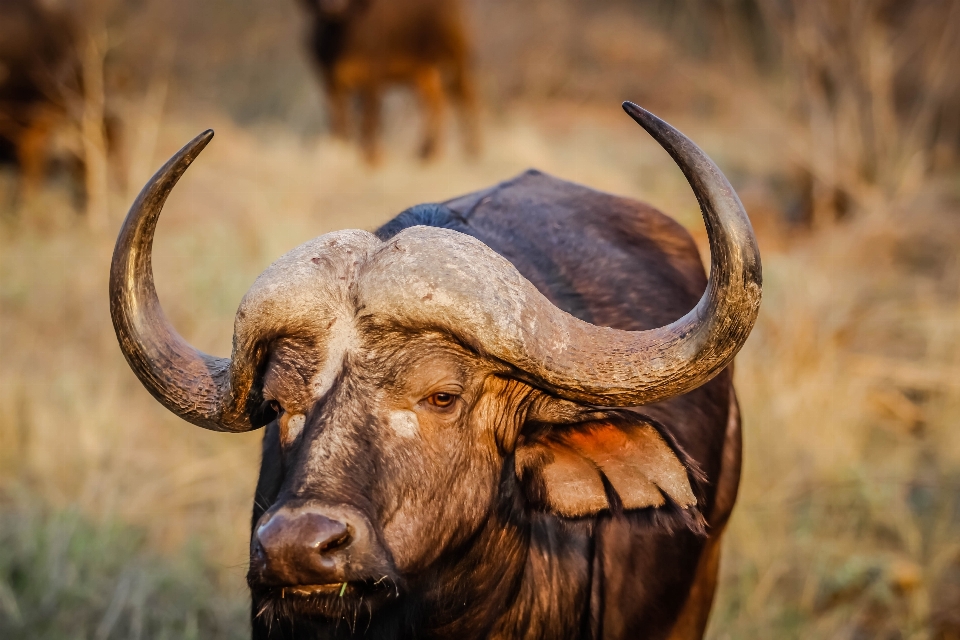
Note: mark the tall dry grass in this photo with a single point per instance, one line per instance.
(118, 520)
(849, 522)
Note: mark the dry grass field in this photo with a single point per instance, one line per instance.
(118, 520)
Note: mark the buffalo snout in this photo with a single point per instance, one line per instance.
(309, 544)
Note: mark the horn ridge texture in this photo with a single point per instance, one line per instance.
(426, 276)
(712, 333)
(622, 368)
(192, 384)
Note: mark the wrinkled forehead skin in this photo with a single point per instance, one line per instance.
(424, 277)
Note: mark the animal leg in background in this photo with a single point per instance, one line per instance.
(429, 87)
(370, 123)
(114, 131)
(337, 109)
(32, 146)
(464, 94)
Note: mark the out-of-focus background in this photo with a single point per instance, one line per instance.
(838, 121)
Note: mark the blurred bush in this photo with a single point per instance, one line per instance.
(62, 577)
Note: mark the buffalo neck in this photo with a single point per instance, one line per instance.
(524, 574)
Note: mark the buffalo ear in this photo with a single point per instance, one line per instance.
(612, 463)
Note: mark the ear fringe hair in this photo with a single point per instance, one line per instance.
(695, 474)
(670, 517)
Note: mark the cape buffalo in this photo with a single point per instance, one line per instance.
(361, 46)
(504, 416)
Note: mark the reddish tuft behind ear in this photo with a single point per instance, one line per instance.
(569, 466)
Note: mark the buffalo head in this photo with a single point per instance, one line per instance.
(416, 385)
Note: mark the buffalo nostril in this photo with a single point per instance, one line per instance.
(288, 530)
(334, 543)
(301, 544)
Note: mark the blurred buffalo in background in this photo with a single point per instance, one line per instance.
(50, 102)
(362, 46)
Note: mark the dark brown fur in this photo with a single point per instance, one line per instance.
(360, 47)
(501, 565)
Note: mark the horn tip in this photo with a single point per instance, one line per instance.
(634, 110)
(185, 157)
(202, 140)
(642, 117)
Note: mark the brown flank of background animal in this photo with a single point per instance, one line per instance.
(361, 47)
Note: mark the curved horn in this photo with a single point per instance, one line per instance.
(195, 386)
(681, 356)
(630, 368)
(440, 277)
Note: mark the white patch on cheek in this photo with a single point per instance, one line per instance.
(295, 426)
(405, 424)
(342, 338)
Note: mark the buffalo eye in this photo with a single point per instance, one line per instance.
(267, 412)
(276, 408)
(442, 400)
